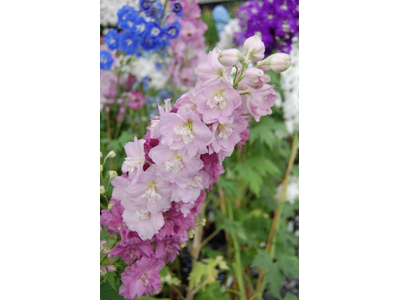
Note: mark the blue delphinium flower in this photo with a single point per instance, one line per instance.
(145, 4)
(145, 83)
(173, 30)
(122, 13)
(129, 20)
(221, 17)
(140, 26)
(158, 66)
(128, 43)
(177, 8)
(111, 39)
(106, 60)
(164, 94)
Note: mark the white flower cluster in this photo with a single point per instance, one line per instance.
(290, 87)
(142, 67)
(226, 35)
(110, 8)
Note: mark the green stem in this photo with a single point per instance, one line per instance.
(103, 206)
(238, 263)
(232, 291)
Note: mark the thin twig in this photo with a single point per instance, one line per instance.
(212, 235)
(279, 208)
(178, 292)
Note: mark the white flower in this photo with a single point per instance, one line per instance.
(290, 87)
(110, 8)
(226, 35)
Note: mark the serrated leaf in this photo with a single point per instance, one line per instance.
(289, 265)
(271, 168)
(249, 177)
(262, 260)
(275, 279)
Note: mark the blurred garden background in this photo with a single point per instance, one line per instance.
(246, 241)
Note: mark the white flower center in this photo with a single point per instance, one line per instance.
(155, 31)
(217, 102)
(196, 182)
(224, 131)
(130, 24)
(140, 27)
(174, 164)
(185, 132)
(128, 42)
(132, 163)
(142, 216)
(151, 194)
(144, 279)
(154, 123)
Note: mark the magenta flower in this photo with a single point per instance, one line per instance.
(132, 250)
(167, 250)
(134, 159)
(136, 100)
(185, 132)
(217, 102)
(143, 277)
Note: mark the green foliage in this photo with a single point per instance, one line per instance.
(205, 273)
(211, 34)
(212, 291)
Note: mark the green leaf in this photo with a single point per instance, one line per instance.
(110, 277)
(107, 292)
(126, 137)
(289, 265)
(262, 260)
(275, 279)
(213, 291)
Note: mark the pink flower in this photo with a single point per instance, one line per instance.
(136, 100)
(211, 70)
(108, 85)
(174, 167)
(112, 219)
(258, 102)
(167, 250)
(227, 135)
(213, 167)
(151, 192)
(192, 190)
(217, 102)
(134, 159)
(185, 132)
(143, 277)
(145, 223)
(134, 249)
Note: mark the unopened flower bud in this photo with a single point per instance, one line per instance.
(111, 268)
(264, 68)
(254, 77)
(112, 174)
(203, 222)
(101, 154)
(254, 48)
(109, 206)
(191, 233)
(103, 271)
(101, 168)
(111, 154)
(278, 62)
(230, 57)
(182, 245)
(102, 190)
